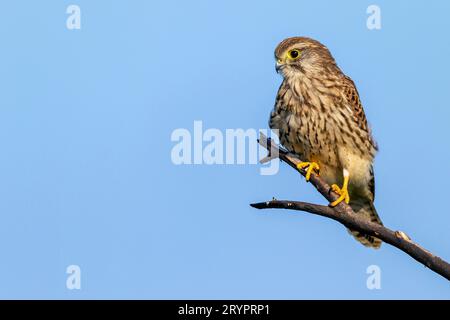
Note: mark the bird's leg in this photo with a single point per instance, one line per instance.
(342, 192)
(312, 167)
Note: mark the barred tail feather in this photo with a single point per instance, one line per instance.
(364, 207)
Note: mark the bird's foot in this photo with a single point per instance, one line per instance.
(343, 195)
(311, 167)
(342, 192)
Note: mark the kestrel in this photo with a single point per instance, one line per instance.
(320, 118)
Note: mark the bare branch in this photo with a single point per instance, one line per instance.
(344, 214)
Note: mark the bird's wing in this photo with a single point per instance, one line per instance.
(372, 183)
(352, 96)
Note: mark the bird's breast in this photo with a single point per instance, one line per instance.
(306, 132)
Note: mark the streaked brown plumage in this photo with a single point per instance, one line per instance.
(319, 117)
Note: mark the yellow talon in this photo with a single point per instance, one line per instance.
(312, 167)
(342, 192)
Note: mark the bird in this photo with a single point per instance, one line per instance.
(319, 117)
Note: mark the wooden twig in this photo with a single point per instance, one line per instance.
(344, 214)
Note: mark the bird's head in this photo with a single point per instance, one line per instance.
(302, 55)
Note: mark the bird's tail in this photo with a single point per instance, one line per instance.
(364, 208)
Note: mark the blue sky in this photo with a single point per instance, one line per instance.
(86, 176)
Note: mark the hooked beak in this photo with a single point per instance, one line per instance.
(278, 65)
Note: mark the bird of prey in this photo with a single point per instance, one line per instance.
(319, 117)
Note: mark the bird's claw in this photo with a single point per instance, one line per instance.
(311, 167)
(343, 195)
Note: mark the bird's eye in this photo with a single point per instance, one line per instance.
(293, 54)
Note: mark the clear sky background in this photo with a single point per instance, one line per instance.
(86, 176)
